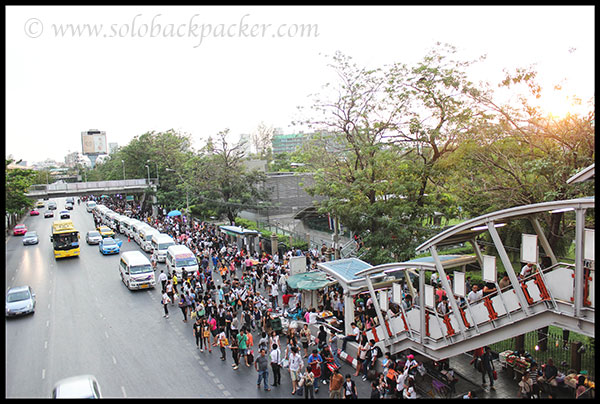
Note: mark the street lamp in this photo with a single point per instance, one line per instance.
(123, 162)
(187, 199)
(148, 167)
(157, 182)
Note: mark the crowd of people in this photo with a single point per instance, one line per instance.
(233, 299)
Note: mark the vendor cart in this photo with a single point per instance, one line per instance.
(276, 325)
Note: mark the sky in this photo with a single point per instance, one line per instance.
(199, 70)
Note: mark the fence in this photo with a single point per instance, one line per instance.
(558, 349)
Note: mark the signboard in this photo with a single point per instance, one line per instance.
(93, 142)
(397, 293)
(588, 249)
(459, 283)
(383, 300)
(429, 296)
(489, 268)
(297, 265)
(529, 248)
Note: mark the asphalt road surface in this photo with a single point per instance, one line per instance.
(87, 322)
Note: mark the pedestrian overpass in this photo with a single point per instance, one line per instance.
(561, 294)
(131, 186)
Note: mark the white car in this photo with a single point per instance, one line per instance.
(93, 237)
(84, 386)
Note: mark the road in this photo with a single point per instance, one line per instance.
(87, 322)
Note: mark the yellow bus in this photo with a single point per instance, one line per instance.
(65, 239)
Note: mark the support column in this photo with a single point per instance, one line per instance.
(376, 303)
(543, 240)
(348, 313)
(579, 240)
(422, 305)
(274, 246)
(508, 267)
(448, 289)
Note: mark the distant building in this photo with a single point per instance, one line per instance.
(113, 147)
(282, 143)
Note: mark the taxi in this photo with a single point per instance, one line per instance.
(39, 204)
(105, 231)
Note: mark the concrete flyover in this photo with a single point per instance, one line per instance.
(92, 187)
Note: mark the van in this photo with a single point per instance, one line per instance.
(136, 270)
(160, 243)
(90, 205)
(180, 257)
(115, 222)
(133, 224)
(146, 234)
(108, 217)
(124, 223)
(135, 230)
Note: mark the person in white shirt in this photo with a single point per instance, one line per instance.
(295, 368)
(475, 294)
(527, 270)
(274, 294)
(276, 365)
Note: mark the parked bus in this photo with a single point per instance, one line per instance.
(64, 238)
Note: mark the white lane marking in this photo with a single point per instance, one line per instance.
(226, 393)
(222, 387)
(105, 334)
(48, 305)
(123, 390)
(43, 374)
(45, 344)
(114, 360)
(47, 323)
(216, 380)
(211, 374)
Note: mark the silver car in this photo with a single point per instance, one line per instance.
(31, 237)
(93, 237)
(84, 386)
(20, 300)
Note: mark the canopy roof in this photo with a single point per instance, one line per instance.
(238, 231)
(309, 281)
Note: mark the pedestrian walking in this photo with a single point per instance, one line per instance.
(205, 336)
(197, 330)
(276, 364)
(336, 380)
(223, 343)
(162, 277)
(349, 388)
(234, 351)
(295, 366)
(183, 306)
(165, 300)
(308, 382)
(170, 293)
(487, 367)
(261, 364)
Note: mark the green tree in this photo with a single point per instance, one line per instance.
(17, 182)
(382, 134)
(220, 180)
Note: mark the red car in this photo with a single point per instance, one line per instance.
(34, 212)
(19, 230)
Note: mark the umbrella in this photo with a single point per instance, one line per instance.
(174, 213)
(104, 196)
